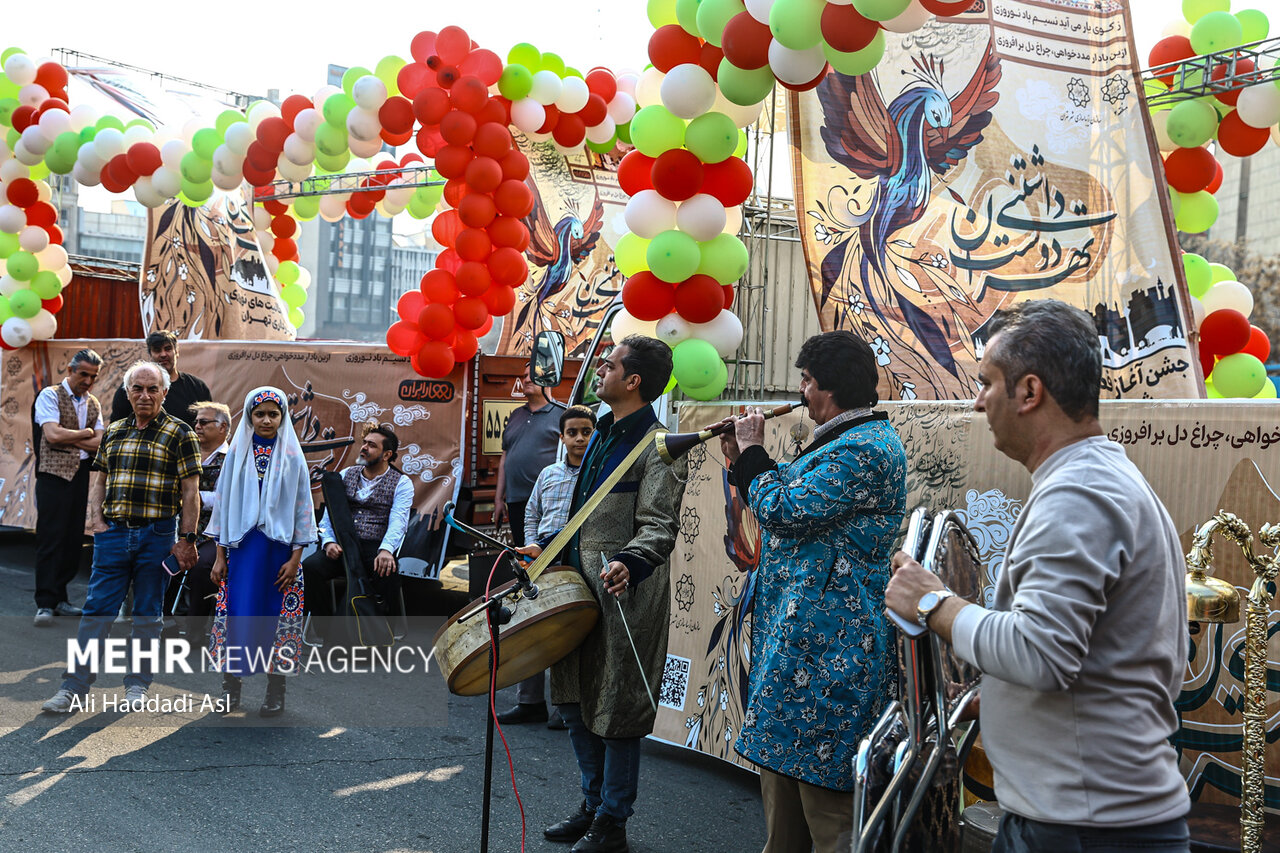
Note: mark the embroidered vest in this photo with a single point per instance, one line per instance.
(65, 461)
(371, 516)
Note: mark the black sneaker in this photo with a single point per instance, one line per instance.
(606, 834)
(522, 713)
(571, 828)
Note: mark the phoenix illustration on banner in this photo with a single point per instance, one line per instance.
(558, 248)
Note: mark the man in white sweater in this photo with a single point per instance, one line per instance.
(1084, 652)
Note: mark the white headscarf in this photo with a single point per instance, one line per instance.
(281, 507)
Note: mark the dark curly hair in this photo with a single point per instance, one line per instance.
(842, 363)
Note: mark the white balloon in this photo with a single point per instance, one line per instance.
(16, 332)
(10, 285)
(107, 143)
(82, 116)
(648, 214)
(741, 116)
(624, 325)
(261, 218)
(25, 155)
(145, 192)
(266, 240)
(53, 122)
(363, 125)
(627, 82)
(137, 133)
(64, 275)
(602, 132)
(238, 137)
(333, 207)
(796, 67)
(733, 220)
(227, 161)
(369, 92)
(86, 176)
(528, 115)
(33, 238)
(292, 171)
(573, 95)
(689, 91)
(52, 257)
(759, 9)
(228, 180)
(1228, 294)
(1197, 311)
(35, 140)
(1176, 27)
(12, 218)
(649, 89)
(724, 333)
(911, 19)
(306, 123)
(364, 148)
(260, 112)
(172, 152)
(622, 108)
(43, 326)
(190, 126)
(32, 95)
(11, 170)
(167, 182)
(273, 263)
(672, 329)
(538, 137)
(1160, 124)
(1259, 106)
(20, 68)
(43, 191)
(299, 151)
(324, 92)
(1275, 134)
(702, 217)
(547, 86)
(401, 196)
(304, 276)
(570, 150)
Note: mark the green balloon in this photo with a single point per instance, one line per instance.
(351, 75)
(22, 265)
(88, 134)
(206, 141)
(1221, 272)
(306, 207)
(293, 295)
(1239, 375)
(553, 63)
(388, 70)
(336, 108)
(1194, 10)
(7, 106)
(287, 273)
(331, 140)
(8, 52)
(1216, 31)
(25, 304)
(713, 137)
(570, 71)
(524, 54)
(630, 253)
(110, 121)
(46, 284)
(713, 15)
(1192, 124)
(655, 129)
(858, 61)
(742, 143)
(59, 164)
(743, 86)
(1198, 212)
(66, 144)
(195, 169)
(1222, 108)
(714, 388)
(8, 244)
(1175, 201)
(430, 196)
(416, 209)
(332, 163)
(724, 258)
(226, 118)
(11, 138)
(796, 23)
(876, 10)
(197, 191)
(603, 147)
(687, 16)
(296, 317)
(5, 311)
(1199, 276)
(516, 82)
(661, 12)
(1254, 25)
(624, 132)
(694, 363)
(673, 256)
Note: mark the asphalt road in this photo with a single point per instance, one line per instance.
(388, 761)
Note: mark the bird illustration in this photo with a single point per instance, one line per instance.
(923, 132)
(559, 248)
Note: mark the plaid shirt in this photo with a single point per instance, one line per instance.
(145, 468)
(548, 508)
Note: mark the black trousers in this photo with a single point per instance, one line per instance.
(199, 591)
(61, 506)
(515, 516)
(318, 570)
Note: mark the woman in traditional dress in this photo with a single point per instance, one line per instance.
(262, 519)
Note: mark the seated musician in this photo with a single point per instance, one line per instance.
(1084, 650)
(822, 651)
(380, 496)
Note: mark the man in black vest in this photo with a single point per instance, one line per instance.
(184, 388)
(69, 422)
(380, 497)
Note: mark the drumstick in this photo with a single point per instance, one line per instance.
(634, 650)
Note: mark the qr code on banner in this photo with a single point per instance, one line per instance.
(675, 683)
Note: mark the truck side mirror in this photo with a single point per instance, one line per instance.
(548, 359)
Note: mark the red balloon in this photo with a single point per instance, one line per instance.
(1216, 183)
(746, 40)
(1170, 50)
(465, 346)
(272, 133)
(448, 261)
(446, 76)
(1239, 139)
(699, 299)
(1224, 332)
(1189, 170)
(430, 141)
(455, 191)
(677, 174)
(601, 82)
(483, 64)
(431, 105)
(413, 78)
(439, 286)
(484, 330)
(293, 105)
(514, 198)
(473, 278)
(473, 244)
(285, 249)
(458, 127)
(946, 8)
(483, 175)
(1259, 345)
(22, 192)
(53, 305)
(446, 227)
(44, 214)
(515, 166)
(396, 115)
(273, 206)
(423, 46)
(434, 360)
(477, 210)
(452, 161)
(436, 321)
(469, 94)
(647, 297)
(52, 76)
(143, 158)
(635, 173)
(284, 226)
(118, 166)
(500, 300)
(111, 185)
(22, 117)
(496, 109)
(1220, 71)
(595, 111)
(570, 131)
(844, 28)
(404, 338)
(410, 305)
(507, 266)
(510, 232)
(452, 45)
(492, 139)
(54, 232)
(552, 117)
(670, 46)
(729, 181)
(470, 312)
(260, 157)
(728, 295)
(710, 58)
(1207, 362)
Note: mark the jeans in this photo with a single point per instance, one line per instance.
(610, 766)
(1023, 835)
(124, 555)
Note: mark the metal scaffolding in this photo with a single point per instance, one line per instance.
(1194, 77)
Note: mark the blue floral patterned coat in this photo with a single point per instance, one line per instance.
(823, 657)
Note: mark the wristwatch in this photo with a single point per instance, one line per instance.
(192, 537)
(929, 602)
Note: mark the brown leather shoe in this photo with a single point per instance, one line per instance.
(523, 713)
(571, 828)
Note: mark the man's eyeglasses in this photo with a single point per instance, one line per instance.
(206, 421)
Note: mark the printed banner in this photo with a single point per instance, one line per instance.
(204, 277)
(576, 220)
(993, 157)
(1199, 457)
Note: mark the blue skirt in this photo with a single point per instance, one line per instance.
(253, 602)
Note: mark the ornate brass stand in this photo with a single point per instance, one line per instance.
(1214, 600)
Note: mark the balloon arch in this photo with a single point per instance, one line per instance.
(714, 62)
